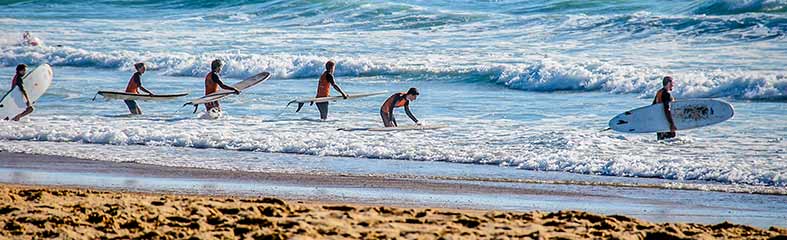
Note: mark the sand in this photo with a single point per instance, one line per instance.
(54, 212)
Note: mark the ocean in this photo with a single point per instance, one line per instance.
(525, 87)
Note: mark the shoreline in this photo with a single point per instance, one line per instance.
(654, 205)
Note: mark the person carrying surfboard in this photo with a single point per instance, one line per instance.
(134, 85)
(213, 82)
(665, 97)
(397, 100)
(17, 81)
(324, 88)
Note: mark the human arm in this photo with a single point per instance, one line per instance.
(145, 90)
(138, 81)
(217, 79)
(336, 86)
(409, 113)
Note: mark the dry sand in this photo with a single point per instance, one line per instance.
(42, 212)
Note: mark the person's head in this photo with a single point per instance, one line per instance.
(412, 94)
(216, 65)
(21, 69)
(330, 66)
(667, 83)
(26, 35)
(140, 67)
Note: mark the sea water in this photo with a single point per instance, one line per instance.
(525, 86)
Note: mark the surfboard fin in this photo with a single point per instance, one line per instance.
(300, 105)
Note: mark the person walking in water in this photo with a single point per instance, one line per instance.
(324, 88)
(212, 84)
(664, 97)
(29, 40)
(134, 85)
(397, 100)
(18, 81)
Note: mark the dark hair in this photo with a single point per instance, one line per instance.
(329, 64)
(139, 65)
(216, 64)
(666, 80)
(21, 67)
(413, 91)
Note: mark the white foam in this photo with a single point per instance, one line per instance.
(549, 146)
(539, 74)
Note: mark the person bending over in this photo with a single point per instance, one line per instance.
(397, 100)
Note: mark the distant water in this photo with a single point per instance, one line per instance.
(523, 84)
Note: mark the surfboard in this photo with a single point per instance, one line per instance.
(143, 97)
(301, 102)
(242, 85)
(687, 114)
(36, 83)
(399, 128)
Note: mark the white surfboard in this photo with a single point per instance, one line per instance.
(36, 83)
(242, 85)
(142, 97)
(399, 128)
(331, 99)
(687, 114)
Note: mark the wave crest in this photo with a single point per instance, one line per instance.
(543, 75)
(731, 7)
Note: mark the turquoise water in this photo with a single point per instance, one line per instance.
(523, 85)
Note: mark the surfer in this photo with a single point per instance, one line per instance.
(134, 85)
(17, 81)
(397, 100)
(324, 88)
(212, 84)
(663, 96)
(29, 40)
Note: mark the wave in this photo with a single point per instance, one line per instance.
(643, 25)
(557, 149)
(732, 7)
(549, 75)
(543, 75)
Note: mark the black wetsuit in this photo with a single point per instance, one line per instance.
(396, 100)
(663, 96)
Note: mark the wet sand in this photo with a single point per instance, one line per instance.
(88, 214)
(68, 197)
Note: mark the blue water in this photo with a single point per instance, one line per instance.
(523, 85)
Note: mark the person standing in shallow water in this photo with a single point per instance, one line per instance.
(212, 84)
(134, 85)
(664, 96)
(18, 81)
(324, 88)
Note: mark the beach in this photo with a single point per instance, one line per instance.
(506, 114)
(54, 212)
(147, 204)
